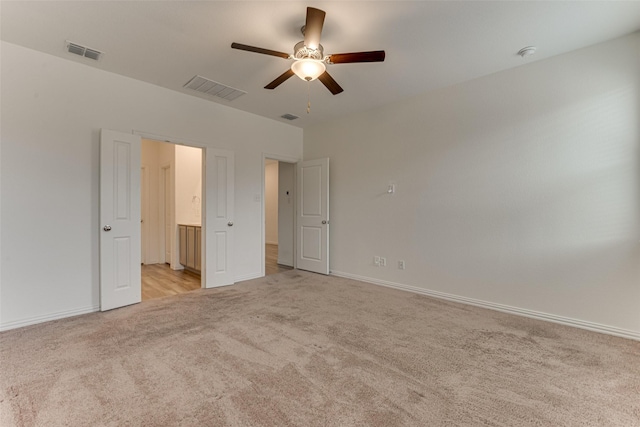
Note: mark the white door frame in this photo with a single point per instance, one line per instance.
(164, 203)
(144, 213)
(285, 159)
(188, 143)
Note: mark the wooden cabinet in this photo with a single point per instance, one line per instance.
(198, 248)
(182, 231)
(190, 246)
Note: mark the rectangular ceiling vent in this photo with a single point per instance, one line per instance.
(211, 88)
(80, 50)
(289, 116)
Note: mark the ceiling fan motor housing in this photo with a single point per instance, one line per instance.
(300, 51)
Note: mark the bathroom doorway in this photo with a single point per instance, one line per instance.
(279, 216)
(171, 201)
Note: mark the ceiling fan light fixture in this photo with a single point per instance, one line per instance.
(308, 56)
(308, 69)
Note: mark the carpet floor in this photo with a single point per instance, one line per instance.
(299, 349)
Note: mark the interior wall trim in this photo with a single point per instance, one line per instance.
(576, 323)
(86, 310)
(591, 326)
(47, 317)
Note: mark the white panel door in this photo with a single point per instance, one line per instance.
(119, 219)
(218, 220)
(312, 250)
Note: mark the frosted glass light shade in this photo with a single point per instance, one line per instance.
(308, 69)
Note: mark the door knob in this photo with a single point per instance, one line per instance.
(230, 223)
(107, 228)
(324, 221)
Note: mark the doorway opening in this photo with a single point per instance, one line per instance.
(171, 226)
(279, 216)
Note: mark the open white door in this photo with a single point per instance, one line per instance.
(312, 249)
(119, 219)
(218, 218)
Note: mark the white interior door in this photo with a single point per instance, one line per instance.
(312, 250)
(218, 218)
(120, 281)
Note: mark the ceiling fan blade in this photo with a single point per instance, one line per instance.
(281, 79)
(331, 84)
(313, 27)
(346, 58)
(259, 50)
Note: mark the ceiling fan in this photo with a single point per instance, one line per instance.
(309, 59)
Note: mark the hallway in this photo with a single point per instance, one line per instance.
(159, 280)
(271, 265)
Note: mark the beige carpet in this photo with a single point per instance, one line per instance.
(299, 349)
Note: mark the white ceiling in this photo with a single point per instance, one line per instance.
(429, 44)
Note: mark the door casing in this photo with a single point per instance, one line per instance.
(209, 168)
(285, 159)
(323, 267)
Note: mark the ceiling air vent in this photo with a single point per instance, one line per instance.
(211, 88)
(289, 116)
(82, 51)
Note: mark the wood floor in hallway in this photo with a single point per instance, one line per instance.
(159, 280)
(271, 265)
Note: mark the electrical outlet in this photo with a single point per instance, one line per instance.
(376, 261)
(383, 262)
(401, 265)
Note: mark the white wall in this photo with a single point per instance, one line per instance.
(286, 212)
(167, 159)
(520, 189)
(150, 221)
(188, 185)
(52, 112)
(271, 202)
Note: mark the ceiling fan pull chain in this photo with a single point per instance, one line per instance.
(308, 96)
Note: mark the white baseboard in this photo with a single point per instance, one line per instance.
(596, 327)
(285, 263)
(46, 318)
